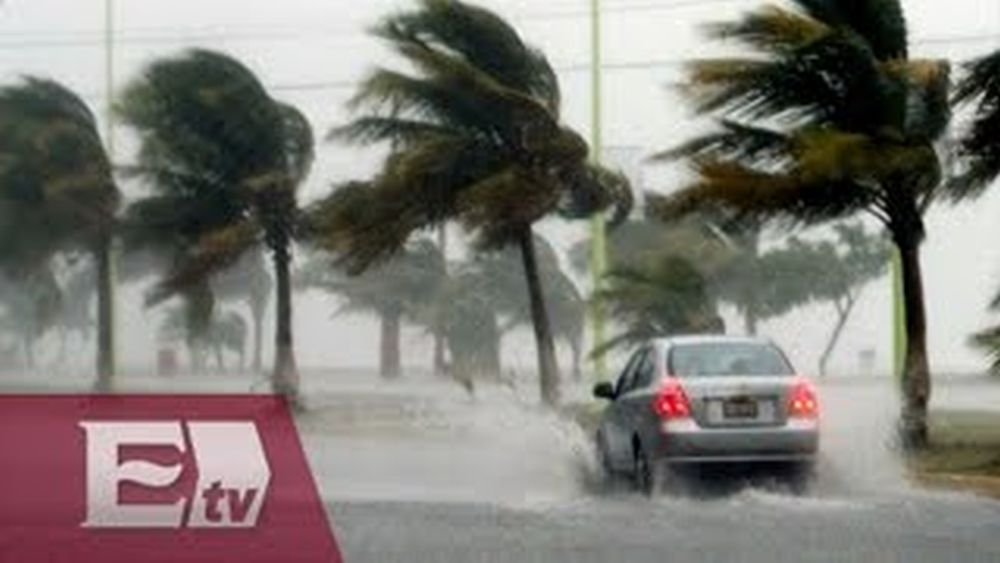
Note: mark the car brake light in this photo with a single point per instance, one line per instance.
(671, 401)
(802, 401)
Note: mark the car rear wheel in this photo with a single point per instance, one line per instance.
(644, 473)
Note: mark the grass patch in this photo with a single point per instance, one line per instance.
(965, 428)
(962, 443)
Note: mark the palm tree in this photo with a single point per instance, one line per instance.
(726, 255)
(220, 332)
(78, 287)
(825, 117)
(224, 160)
(57, 193)
(249, 280)
(979, 159)
(30, 307)
(667, 296)
(495, 276)
(829, 271)
(191, 323)
(477, 137)
(569, 316)
(404, 287)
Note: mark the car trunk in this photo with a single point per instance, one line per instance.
(734, 401)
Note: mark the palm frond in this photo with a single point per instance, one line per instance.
(354, 224)
(834, 79)
(596, 188)
(452, 92)
(377, 129)
(214, 252)
(500, 206)
(928, 109)
(734, 140)
(988, 342)
(300, 145)
(979, 145)
(668, 296)
(771, 29)
(755, 195)
(482, 39)
(880, 23)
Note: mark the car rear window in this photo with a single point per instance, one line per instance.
(727, 358)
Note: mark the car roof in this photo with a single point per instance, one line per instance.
(670, 341)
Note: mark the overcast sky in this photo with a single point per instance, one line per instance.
(311, 51)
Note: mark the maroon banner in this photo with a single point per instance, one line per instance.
(157, 479)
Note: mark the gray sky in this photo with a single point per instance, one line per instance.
(310, 52)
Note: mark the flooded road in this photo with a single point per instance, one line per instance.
(749, 527)
(418, 476)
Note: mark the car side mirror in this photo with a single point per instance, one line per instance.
(604, 390)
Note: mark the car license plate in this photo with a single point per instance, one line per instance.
(739, 408)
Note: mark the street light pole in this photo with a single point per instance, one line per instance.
(598, 226)
(898, 316)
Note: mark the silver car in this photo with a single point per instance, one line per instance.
(706, 399)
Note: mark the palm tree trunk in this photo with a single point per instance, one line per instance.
(494, 366)
(63, 344)
(439, 367)
(916, 371)
(389, 358)
(257, 312)
(105, 315)
(576, 346)
(220, 361)
(843, 313)
(196, 355)
(29, 353)
(548, 368)
(750, 321)
(439, 335)
(285, 378)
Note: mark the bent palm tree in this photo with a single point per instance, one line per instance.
(979, 146)
(496, 277)
(57, 193)
(828, 117)
(249, 280)
(30, 307)
(668, 296)
(225, 161)
(836, 272)
(979, 158)
(477, 137)
(403, 287)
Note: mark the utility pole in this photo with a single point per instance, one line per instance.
(598, 226)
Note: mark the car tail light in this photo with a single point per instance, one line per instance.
(671, 401)
(802, 400)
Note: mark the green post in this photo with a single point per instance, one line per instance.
(898, 317)
(598, 249)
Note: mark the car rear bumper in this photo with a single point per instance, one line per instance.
(686, 442)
